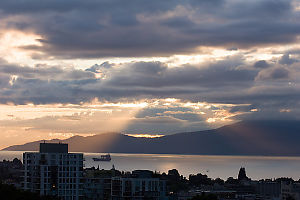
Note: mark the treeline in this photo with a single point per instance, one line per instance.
(9, 192)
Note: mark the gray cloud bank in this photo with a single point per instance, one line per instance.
(231, 81)
(92, 29)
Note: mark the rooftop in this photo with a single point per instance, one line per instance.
(53, 148)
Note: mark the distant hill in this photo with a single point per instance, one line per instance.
(276, 138)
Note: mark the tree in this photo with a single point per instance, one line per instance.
(205, 197)
(290, 198)
(12, 193)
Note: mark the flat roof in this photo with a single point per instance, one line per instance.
(53, 148)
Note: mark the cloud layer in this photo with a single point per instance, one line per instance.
(93, 29)
(227, 81)
(179, 65)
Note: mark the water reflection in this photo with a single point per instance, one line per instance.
(257, 167)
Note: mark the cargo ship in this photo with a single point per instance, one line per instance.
(103, 158)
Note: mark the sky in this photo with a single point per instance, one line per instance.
(143, 67)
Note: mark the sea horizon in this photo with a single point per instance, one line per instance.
(215, 166)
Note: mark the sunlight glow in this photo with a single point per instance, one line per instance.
(211, 120)
(95, 117)
(145, 135)
(11, 43)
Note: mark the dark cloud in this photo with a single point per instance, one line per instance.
(293, 51)
(164, 125)
(176, 22)
(286, 60)
(228, 81)
(45, 72)
(98, 68)
(42, 84)
(261, 64)
(92, 29)
(156, 74)
(275, 73)
(246, 108)
(263, 9)
(176, 112)
(232, 49)
(283, 109)
(47, 84)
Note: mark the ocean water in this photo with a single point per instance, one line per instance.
(257, 167)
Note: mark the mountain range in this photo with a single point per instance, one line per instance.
(271, 138)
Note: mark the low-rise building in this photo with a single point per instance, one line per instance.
(290, 190)
(97, 183)
(268, 189)
(137, 186)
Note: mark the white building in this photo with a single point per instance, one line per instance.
(54, 171)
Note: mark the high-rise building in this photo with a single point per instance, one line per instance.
(54, 171)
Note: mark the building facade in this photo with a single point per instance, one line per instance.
(97, 183)
(268, 189)
(54, 171)
(290, 190)
(140, 185)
